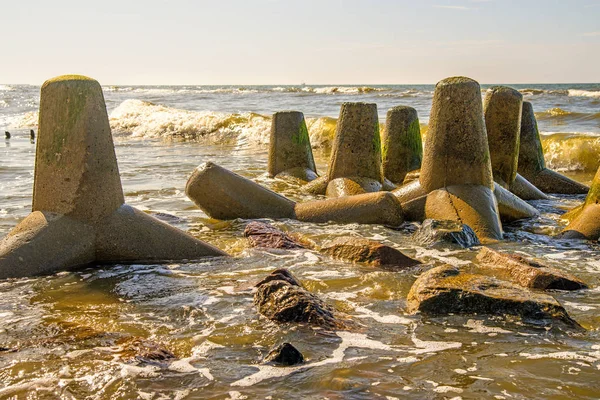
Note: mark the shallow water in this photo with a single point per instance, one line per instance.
(74, 334)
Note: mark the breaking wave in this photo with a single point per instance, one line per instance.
(142, 119)
(559, 115)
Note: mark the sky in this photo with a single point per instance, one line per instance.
(199, 42)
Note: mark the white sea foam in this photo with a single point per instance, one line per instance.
(584, 93)
(424, 346)
(349, 339)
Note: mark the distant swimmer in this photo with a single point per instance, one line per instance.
(32, 135)
(6, 134)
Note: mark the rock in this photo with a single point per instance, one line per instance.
(402, 149)
(369, 208)
(144, 351)
(222, 194)
(433, 232)
(284, 354)
(261, 234)
(366, 251)
(284, 300)
(280, 274)
(455, 181)
(316, 187)
(290, 153)
(528, 272)
(78, 214)
(585, 219)
(445, 290)
(531, 160)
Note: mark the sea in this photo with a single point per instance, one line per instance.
(91, 333)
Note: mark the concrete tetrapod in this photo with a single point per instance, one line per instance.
(401, 146)
(455, 182)
(223, 194)
(502, 111)
(531, 160)
(289, 148)
(355, 165)
(78, 213)
(585, 219)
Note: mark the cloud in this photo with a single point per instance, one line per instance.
(597, 33)
(453, 7)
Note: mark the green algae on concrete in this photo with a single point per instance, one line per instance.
(402, 147)
(290, 152)
(585, 219)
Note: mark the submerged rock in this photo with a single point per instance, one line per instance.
(367, 251)
(434, 231)
(284, 354)
(281, 298)
(261, 234)
(445, 290)
(144, 351)
(528, 272)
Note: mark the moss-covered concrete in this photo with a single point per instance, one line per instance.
(402, 148)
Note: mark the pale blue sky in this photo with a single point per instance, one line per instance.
(312, 41)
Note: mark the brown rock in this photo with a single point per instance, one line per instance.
(528, 272)
(367, 251)
(261, 234)
(445, 290)
(284, 300)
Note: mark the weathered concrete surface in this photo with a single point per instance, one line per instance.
(433, 232)
(340, 187)
(524, 189)
(78, 216)
(456, 148)
(282, 299)
(402, 148)
(285, 354)
(261, 234)
(356, 149)
(527, 272)
(446, 290)
(76, 172)
(369, 208)
(511, 207)
(474, 205)
(290, 153)
(531, 160)
(502, 112)
(317, 187)
(585, 219)
(222, 194)
(367, 251)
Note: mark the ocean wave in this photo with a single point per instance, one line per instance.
(572, 151)
(142, 119)
(537, 92)
(6, 88)
(561, 115)
(584, 93)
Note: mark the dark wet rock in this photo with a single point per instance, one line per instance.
(144, 351)
(367, 251)
(284, 354)
(261, 234)
(280, 274)
(445, 290)
(446, 231)
(527, 272)
(7, 349)
(281, 298)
